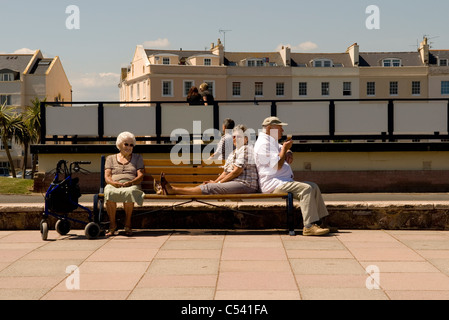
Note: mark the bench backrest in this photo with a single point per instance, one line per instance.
(182, 175)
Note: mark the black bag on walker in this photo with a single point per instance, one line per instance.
(64, 196)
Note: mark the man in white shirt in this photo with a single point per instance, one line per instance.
(276, 176)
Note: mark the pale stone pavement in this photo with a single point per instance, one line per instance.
(225, 265)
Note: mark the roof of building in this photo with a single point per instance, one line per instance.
(434, 55)
(235, 58)
(15, 62)
(41, 67)
(374, 59)
(306, 59)
(366, 59)
(180, 53)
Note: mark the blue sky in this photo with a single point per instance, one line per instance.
(110, 30)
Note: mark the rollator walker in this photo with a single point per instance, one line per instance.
(61, 199)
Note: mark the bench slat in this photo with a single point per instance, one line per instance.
(183, 178)
(183, 171)
(169, 163)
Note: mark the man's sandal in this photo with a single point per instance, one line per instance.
(128, 232)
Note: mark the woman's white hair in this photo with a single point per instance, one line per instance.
(124, 136)
(240, 128)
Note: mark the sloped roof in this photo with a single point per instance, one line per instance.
(41, 66)
(434, 55)
(374, 59)
(306, 58)
(236, 57)
(180, 53)
(15, 62)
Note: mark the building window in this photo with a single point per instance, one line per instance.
(394, 88)
(131, 89)
(347, 90)
(187, 85)
(6, 77)
(258, 89)
(371, 89)
(138, 91)
(325, 88)
(211, 85)
(303, 89)
(207, 61)
(236, 89)
(280, 91)
(165, 60)
(2, 147)
(416, 88)
(5, 98)
(255, 63)
(144, 90)
(167, 88)
(443, 63)
(391, 62)
(322, 63)
(444, 87)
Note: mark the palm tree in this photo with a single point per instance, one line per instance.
(24, 134)
(33, 121)
(10, 124)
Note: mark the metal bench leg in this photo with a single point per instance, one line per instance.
(290, 215)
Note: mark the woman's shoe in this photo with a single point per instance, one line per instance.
(157, 188)
(111, 232)
(164, 183)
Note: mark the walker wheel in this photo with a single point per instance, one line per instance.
(92, 230)
(44, 229)
(62, 227)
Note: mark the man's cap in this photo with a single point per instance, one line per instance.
(273, 121)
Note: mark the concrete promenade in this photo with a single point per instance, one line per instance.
(228, 264)
(225, 265)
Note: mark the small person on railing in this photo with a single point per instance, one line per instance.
(207, 97)
(123, 174)
(194, 98)
(239, 174)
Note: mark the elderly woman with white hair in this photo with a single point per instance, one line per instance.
(123, 174)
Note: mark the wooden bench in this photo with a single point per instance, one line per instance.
(184, 176)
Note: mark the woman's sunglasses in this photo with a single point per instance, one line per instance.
(128, 145)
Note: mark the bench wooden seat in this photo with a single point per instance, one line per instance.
(188, 175)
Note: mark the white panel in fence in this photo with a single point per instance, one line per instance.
(249, 115)
(306, 118)
(141, 121)
(81, 121)
(182, 117)
(357, 118)
(420, 118)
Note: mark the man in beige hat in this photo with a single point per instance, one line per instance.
(276, 176)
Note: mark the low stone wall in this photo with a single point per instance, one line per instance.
(262, 215)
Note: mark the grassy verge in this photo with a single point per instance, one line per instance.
(15, 186)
